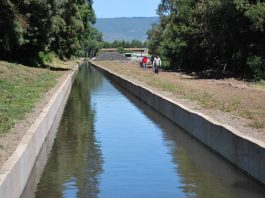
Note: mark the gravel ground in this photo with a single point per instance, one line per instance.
(111, 56)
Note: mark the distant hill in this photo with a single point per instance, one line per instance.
(125, 28)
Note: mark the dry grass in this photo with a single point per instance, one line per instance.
(60, 64)
(260, 84)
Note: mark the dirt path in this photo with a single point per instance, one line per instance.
(231, 102)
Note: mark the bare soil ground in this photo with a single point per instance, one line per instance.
(110, 56)
(10, 139)
(229, 101)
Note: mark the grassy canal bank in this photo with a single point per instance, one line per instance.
(22, 87)
(229, 101)
(24, 92)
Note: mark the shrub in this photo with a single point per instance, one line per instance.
(120, 50)
(165, 63)
(257, 66)
(46, 57)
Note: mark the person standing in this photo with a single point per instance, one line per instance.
(144, 61)
(156, 64)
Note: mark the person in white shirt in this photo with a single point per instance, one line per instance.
(156, 64)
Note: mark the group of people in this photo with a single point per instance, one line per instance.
(155, 61)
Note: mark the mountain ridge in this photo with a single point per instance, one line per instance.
(125, 28)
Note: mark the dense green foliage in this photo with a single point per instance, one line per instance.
(125, 44)
(30, 30)
(221, 35)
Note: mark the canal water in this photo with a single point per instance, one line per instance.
(110, 144)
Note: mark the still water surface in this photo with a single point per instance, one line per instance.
(109, 144)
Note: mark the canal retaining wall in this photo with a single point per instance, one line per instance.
(15, 172)
(245, 152)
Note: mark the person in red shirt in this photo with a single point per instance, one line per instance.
(144, 61)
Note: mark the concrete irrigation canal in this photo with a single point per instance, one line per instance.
(110, 144)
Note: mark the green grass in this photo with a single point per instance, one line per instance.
(21, 88)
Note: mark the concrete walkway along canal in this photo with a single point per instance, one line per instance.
(110, 144)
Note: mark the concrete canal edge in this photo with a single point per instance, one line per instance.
(245, 152)
(15, 172)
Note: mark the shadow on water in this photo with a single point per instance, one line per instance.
(79, 154)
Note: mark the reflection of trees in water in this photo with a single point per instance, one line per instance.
(203, 173)
(76, 158)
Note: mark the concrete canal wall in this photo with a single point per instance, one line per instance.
(246, 153)
(15, 172)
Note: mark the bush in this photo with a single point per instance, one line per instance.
(46, 57)
(257, 66)
(120, 50)
(165, 63)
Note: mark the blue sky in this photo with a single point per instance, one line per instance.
(125, 8)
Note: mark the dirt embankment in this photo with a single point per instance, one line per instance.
(229, 101)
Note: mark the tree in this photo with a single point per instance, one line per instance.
(218, 34)
(93, 42)
(29, 30)
(125, 44)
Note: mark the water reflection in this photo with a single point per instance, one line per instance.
(110, 144)
(75, 162)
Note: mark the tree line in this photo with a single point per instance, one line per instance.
(227, 36)
(33, 31)
(125, 44)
